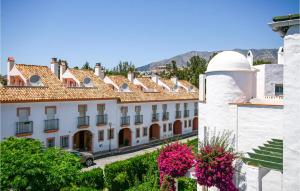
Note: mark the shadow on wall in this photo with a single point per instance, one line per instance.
(240, 177)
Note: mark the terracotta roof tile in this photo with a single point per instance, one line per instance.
(54, 90)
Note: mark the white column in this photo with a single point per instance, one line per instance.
(202, 87)
(291, 130)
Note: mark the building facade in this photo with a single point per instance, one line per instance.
(86, 110)
(250, 102)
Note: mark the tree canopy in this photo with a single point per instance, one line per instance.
(27, 165)
(122, 69)
(195, 66)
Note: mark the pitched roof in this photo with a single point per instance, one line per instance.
(54, 89)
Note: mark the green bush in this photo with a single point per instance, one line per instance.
(186, 184)
(26, 164)
(76, 188)
(92, 178)
(121, 175)
(193, 143)
(146, 186)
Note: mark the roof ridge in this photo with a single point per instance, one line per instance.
(31, 65)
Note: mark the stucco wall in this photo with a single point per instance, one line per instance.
(267, 76)
(67, 113)
(291, 157)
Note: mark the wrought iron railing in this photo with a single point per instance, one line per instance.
(125, 120)
(24, 127)
(83, 121)
(102, 119)
(51, 124)
(138, 119)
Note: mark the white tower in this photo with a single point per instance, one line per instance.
(250, 57)
(229, 79)
(280, 59)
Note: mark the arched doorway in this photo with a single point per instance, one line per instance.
(124, 137)
(177, 127)
(154, 132)
(195, 124)
(82, 141)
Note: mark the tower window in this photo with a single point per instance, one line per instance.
(278, 90)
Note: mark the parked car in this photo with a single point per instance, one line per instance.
(85, 157)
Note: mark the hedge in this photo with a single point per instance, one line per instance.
(121, 175)
(92, 178)
(140, 173)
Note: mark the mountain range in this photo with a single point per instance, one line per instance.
(181, 59)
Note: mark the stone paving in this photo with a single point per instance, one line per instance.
(103, 161)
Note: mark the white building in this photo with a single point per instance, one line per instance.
(86, 110)
(248, 100)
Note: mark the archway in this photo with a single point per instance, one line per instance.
(124, 137)
(154, 132)
(82, 141)
(177, 127)
(195, 124)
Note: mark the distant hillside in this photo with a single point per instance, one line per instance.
(181, 60)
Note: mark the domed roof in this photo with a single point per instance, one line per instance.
(228, 61)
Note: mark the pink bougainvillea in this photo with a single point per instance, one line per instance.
(175, 160)
(214, 168)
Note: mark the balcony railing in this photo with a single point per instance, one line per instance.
(155, 117)
(195, 112)
(186, 113)
(138, 119)
(125, 120)
(102, 119)
(51, 125)
(25, 127)
(83, 121)
(165, 116)
(178, 114)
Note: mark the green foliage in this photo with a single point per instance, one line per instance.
(146, 186)
(86, 66)
(121, 69)
(92, 178)
(121, 175)
(76, 188)
(3, 80)
(194, 144)
(187, 184)
(259, 62)
(25, 164)
(195, 66)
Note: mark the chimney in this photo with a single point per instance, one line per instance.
(54, 66)
(130, 76)
(250, 57)
(174, 80)
(155, 78)
(280, 59)
(63, 68)
(10, 65)
(98, 71)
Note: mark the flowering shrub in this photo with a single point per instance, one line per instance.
(174, 161)
(214, 164)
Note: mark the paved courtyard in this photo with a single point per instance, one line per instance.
(103, 161)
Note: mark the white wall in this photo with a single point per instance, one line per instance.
(291, 157)
(67, 113)
(267, 76)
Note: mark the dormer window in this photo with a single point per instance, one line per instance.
(35, 80)
(175, 88)
(191, 88)
(124, 87)
(87, 82)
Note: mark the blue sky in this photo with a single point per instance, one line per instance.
(141, 31)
